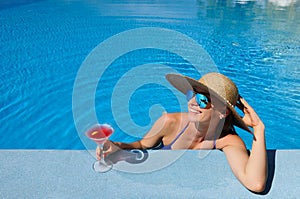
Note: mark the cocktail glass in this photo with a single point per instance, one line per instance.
(99, 134)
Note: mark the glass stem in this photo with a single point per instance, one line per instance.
(101, 152)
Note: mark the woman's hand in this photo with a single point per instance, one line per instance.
(108, 148)
(251, 118)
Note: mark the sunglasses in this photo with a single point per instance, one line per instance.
(202, 100)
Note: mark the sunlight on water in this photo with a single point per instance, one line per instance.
(43, 44)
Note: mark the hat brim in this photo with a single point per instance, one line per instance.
(184, 84)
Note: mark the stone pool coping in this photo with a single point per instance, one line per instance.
(69, 174)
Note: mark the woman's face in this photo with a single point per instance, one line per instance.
(200, 109)
(197, 114)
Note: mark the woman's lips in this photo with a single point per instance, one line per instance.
(193, 110)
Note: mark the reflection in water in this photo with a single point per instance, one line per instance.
(283, 3)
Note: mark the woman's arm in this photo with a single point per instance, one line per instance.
(153, 136)
(156, 133)
(250, 170)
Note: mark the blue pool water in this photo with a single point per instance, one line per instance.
(44, 43)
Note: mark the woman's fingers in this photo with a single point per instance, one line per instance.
(108, 148)
(98, 153)
(245, 103)
(251, 118)
(239, 104)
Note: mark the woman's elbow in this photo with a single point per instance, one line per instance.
(258, 186)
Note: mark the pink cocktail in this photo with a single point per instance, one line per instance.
(99, 134)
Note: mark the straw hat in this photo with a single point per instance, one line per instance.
(216, 85)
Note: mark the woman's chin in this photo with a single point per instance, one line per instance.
(193, 117)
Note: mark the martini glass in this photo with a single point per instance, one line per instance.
(99, 134)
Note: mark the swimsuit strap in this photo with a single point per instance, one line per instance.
(182, 131)
(215, 141)
(215, 144)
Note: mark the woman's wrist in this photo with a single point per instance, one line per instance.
(260, 127)
(118, 144)
(259, 133)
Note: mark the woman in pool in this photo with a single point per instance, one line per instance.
(209, 124)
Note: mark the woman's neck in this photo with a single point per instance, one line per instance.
(205, 131)
(200, 129)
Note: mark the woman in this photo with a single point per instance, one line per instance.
(208, 124)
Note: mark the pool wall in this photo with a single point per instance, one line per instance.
(69, 174)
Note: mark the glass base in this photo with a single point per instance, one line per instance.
(102, 166)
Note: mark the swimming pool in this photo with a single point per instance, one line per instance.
(44, 43)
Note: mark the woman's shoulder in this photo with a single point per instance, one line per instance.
(231, 140)
(174, 118)
(171, 121)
